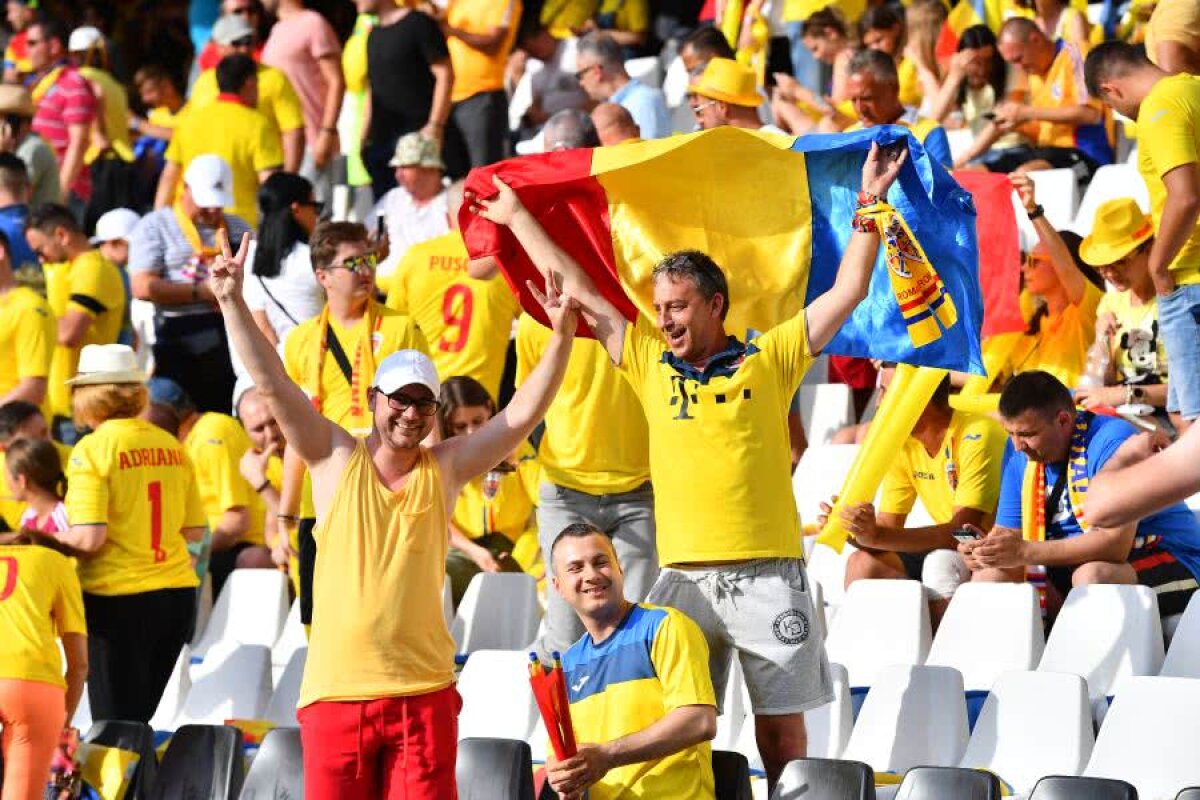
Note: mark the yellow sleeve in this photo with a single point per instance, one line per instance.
(787, 346)
(217, 460)
(634, 16)
(35, 340)
(88, 290)
(68, 604)
(268, 152)
(1167, 132)
(643, 346)
(87, 488)
(397, 296)
(898, 495)
(528, 347)
(194, 516)
(980, 461)
(289, 116)
(204, 90)
(177, 147)
(680, 657)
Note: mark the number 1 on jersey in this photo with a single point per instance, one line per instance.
(9, 566)
(154, 490)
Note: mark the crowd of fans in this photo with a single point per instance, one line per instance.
(147, 427)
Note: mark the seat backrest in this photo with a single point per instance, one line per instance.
(1191, 793)
(202, 762)
(912, 716)
(819, 475)
(948, 783)
(829, 726)
(1032, 724)
(1058, 192)
(136, 737)
(494, 769)
(252, 609)
(825, 779)
(731, 775)
(1110, 182)
(1104, 632)
(1183, 656)
(278, 770)
(1149, 736)
(989, 628)
(734, 711)
(291, 638)
(281, 709)
(238, 688)
(497, 701)
(499, 611)
(879, 622)
(1069, 787)
(176, 692)
(827, 567)
(825, 408)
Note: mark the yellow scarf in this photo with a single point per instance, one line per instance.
(197, 268)
(45, 84)
(923, 300)
(362, 363)
(1033, 484)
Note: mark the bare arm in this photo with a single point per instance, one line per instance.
(1068, 272)
(72, 163)
(76, 651)
(946, 98)
(488, 43)
(164, 193)
(234, 524)
(84, 539)
(1179, 216)
(1004, 548)
(931, 537)
(439, 112)
(72, 327)
(293, 149)
(1176, 57)
(162, 292)
(264, 325)
(1138, 481)
(31, 390)
(983, 142)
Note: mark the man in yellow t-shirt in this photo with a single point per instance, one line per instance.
(874, 89)
(215, 444)
(86, 293)
(467, 320)
(641, 699)
(479, 35)
(716, 410)
(230, 128)
(951, 462)
(1167, 110)
(277, 100)
(27, 337)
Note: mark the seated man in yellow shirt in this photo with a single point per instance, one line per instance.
(951, 462)
(641, 699)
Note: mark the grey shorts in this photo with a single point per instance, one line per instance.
(762, 610)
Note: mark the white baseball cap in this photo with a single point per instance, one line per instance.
(211, 181)
(115, 224)
(85, 38)
(406, 368)
(107, 363)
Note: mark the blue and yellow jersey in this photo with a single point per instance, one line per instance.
(654, 662)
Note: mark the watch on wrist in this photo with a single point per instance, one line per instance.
(1035, 212)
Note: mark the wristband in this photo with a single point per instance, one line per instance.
(288, 518)
(266, 482)
(1036, 212)
(329, 130)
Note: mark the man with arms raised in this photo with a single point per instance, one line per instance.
(728, 533)
(379, 648)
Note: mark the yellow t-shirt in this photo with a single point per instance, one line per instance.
(244, 137)
(654, 662)
(1137, 349)
(1173, 21)
(215, 445)
(383, 553)
(302, 349)
(910, 83)
(632, 16)
(474, 70)
(27, 337)
(163, 117)
(510, 512)
(90, 283)
(1061, 346)
(561, 16)
(582, 448)
(116, 114)
(1061, 87)
(963, 473)
(135, 478)
(277, 100)
(40, 600)
(1168, 135)
(467, 321)
(728, 423)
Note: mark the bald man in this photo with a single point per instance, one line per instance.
(614, 124)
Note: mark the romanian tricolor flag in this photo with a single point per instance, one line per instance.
(775, 213)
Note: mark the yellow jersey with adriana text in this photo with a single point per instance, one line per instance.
(215, 445)
(40, 601)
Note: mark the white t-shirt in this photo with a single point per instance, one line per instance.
(409, 224)
(295, 287)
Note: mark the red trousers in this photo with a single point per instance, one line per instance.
(393, 748)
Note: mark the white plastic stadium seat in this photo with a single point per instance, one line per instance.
(825, 408)
(291, 639)
(497, 699)
(829, 726)
(1149, 736)
(1032, 724)
(827, 568)
(237, 688)
(646, 70)
(960, 141)
(1106, 632)
(251, 610)
(988, 629)
(880, 622)
(819, 475)
(1057, 190)
(499, 611)
(913, 716)
(83, 712)
(282, 707)
(1110, 182)
(175, 693)
(1183, 656)
(818, 371)
(204, 607)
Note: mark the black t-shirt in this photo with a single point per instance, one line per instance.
(398, 59)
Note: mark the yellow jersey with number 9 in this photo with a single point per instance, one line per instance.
(135, 478)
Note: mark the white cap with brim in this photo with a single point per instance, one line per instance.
(84, 38)
(211, 181)
(107, 363)
(116, 224)
(406, 368)
(231, 28)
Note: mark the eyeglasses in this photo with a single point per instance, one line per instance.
(402, 402)
(581, 72)
(698, 109)
(33, 42)
(315, 205)
(245, 41)
(243, 11)
(357, 265)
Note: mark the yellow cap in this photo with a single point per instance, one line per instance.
(727, 81)
(1119, 228)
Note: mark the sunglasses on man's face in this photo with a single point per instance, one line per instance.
(358, 265)
(245, 41)
(426, 407)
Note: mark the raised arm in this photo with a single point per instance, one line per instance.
(1138, 481)
(1068, 272)
(556, 265)
(827, 313)
(307, 431)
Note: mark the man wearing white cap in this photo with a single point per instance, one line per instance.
(380, 648)
(112, 240)
(416, 210)
(169, 253)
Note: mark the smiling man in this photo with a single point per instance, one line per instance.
(641, 699)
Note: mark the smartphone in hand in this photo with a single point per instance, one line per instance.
(965, 535)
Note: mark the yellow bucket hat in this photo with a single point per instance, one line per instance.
(727, 81)
(1120, 227)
